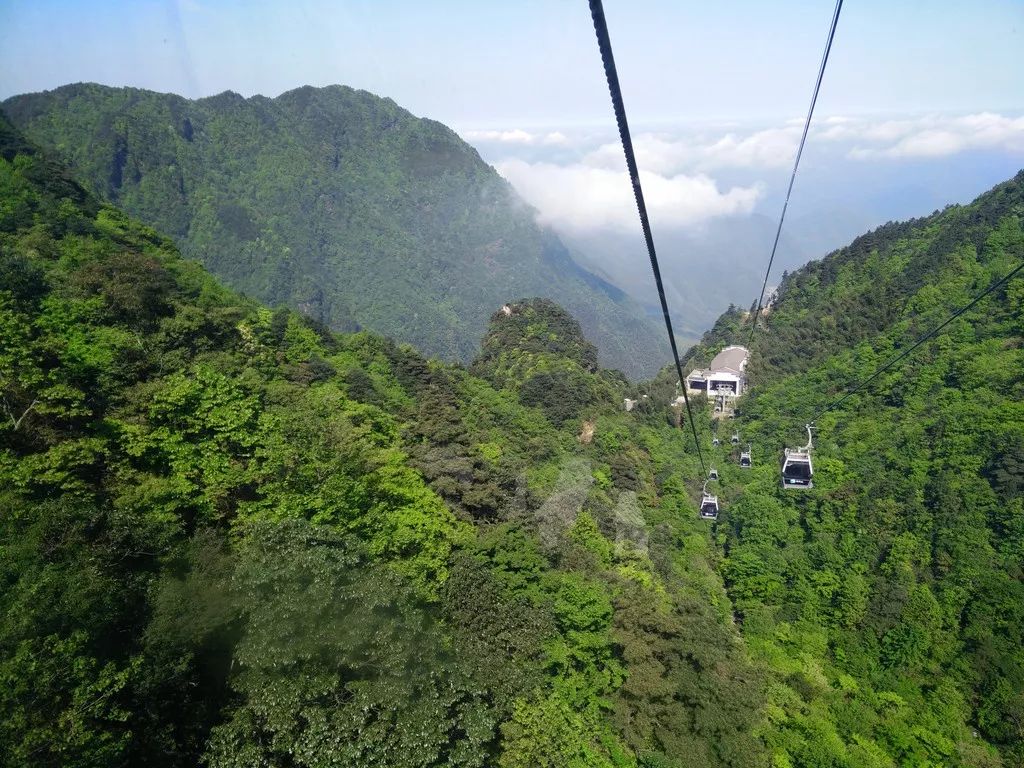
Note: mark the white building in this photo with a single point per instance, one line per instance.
(725, 376)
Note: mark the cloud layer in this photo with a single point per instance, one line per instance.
(516, 136)
(584, 197)
(930, 136)
(770, 148)
(579, 181)
(927, 136)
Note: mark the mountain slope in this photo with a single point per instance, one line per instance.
(231, 537)
(335, 202)
(888, 602)
(865, 288)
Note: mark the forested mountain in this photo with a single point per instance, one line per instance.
(337, 203)
(232, 537)
(887, 605)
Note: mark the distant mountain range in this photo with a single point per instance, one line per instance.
(337, 203)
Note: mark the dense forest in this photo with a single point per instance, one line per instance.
(337, 203)
(231, 536)
(888, 603)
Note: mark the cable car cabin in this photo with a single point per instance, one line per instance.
(716, 442)
(745, 459)
(797, 469)
(709, 507)
(713, 474)
(736, 439)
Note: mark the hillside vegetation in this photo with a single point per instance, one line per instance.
(337, 203)
(888, 603)
(231, 537)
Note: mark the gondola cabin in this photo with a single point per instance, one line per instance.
(735, 439)
(745, 459)
(797, 469)
(713, 474)
(716, 442)
(709, 507)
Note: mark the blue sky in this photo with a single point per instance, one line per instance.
(500, 64)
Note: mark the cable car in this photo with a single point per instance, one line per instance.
(745, 459)
(716, 442)
(713, 474)
(708, 506)
(735, 438)
(797, 468)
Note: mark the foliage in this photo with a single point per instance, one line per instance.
(232, 537)
(886, 603)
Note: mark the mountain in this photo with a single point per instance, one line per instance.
(887, 604)
(334, 202)
(233, 537)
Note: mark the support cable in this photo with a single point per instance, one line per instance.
(796, 164)
(605, 44)
(920, 340)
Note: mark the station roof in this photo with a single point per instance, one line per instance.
(731, 359)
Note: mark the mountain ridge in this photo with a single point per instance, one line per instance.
(337, 202)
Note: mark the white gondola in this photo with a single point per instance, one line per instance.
(797, 468)
(745, 459)
(713, 474)
(708, 502)
(708, 507)
(735, 438)
(716, 442)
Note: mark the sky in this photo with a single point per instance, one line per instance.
(492, 64)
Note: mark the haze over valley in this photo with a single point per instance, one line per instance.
(715, 192)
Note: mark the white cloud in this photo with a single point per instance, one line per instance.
(981, 131)
(516, 136)
(771, 148)
(653, 153)
(925, 136)
(584, 197)
(929, 143)
(678, 169)
(890, 130)
(931, 136)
